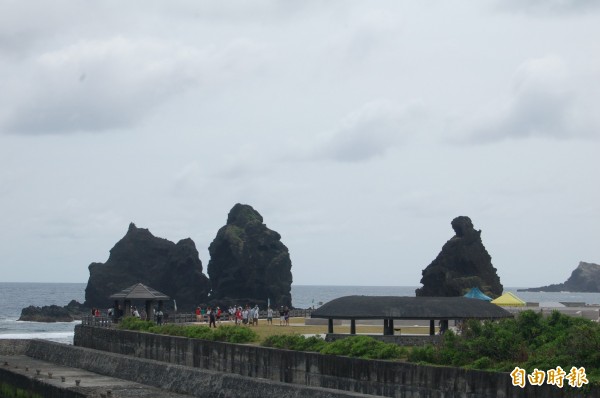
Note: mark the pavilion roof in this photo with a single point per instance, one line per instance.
(139, 291)
(395, 307)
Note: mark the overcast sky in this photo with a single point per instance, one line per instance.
(358, 129)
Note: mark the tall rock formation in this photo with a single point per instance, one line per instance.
(248, 261)
(584, 278)
(140, 257)
(462, 264)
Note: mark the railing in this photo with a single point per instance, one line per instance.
(99, 321)
(107, 322)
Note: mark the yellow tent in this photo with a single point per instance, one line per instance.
(509, 300)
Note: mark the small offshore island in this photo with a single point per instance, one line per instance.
(585, 278)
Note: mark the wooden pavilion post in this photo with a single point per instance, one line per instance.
(432, 327)
(330, 325)
(353, 326)
(149, 310)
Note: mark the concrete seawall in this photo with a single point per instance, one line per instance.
(379, 378)
(167, 380)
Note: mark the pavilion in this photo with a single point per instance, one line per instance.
(390, 308)
(139, 291)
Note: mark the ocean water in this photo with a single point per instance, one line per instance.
(16, 296)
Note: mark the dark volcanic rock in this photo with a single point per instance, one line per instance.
(248, 262)
(462, 264)
(49, 313)
(140, 257)
(585, 278)
(53, 313)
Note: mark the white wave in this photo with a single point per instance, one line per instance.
(51, 323)
(44, 336)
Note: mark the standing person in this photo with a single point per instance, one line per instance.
(238, 316)
(202, 313)
(287, 316)
(211, 317)
(198, 314)
(219, 315)
(255, 316)
(281, 316)
(135, 312)
(159, 317)
(245, 314)
(269, 316)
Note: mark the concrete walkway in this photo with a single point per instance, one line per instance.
(91, 384)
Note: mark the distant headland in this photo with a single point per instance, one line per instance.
(585, 278)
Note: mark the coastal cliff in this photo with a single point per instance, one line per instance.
(248, 261)
(584, 278)
(462, 264)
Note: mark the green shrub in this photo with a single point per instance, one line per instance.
(426, 354)
(482, 363)
(528, 341)
(230, 334)
(234, 334)
(199, 332)
(295, 342)
(363, 347)
(133, 323)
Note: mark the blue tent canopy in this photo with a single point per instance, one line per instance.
(477, 294)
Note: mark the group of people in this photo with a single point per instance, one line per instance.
(212, 314)
(240, 315)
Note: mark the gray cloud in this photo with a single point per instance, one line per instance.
(100, 85)
(544, 103)
(548, 7)
(370, 131)
(272, 103)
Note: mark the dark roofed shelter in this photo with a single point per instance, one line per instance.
(139, 291)
(390, 308)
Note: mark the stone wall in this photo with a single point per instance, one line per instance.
(382, 378)
(175, 378)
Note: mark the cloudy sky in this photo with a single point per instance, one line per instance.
(358, 129)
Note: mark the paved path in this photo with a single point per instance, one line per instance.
(91, 384)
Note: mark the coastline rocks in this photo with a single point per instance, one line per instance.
(248, 262)
(52, 313)
(584, 278)
(140, 257)
(462, 264)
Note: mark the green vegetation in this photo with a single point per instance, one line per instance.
(354, 346)
(296, 342)
(226, 333)
(8, 391)
(529, 341)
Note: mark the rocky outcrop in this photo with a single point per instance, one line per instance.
(462, 264)
(585, 278)
(140, 257)
(52, 313)
(248, 261)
